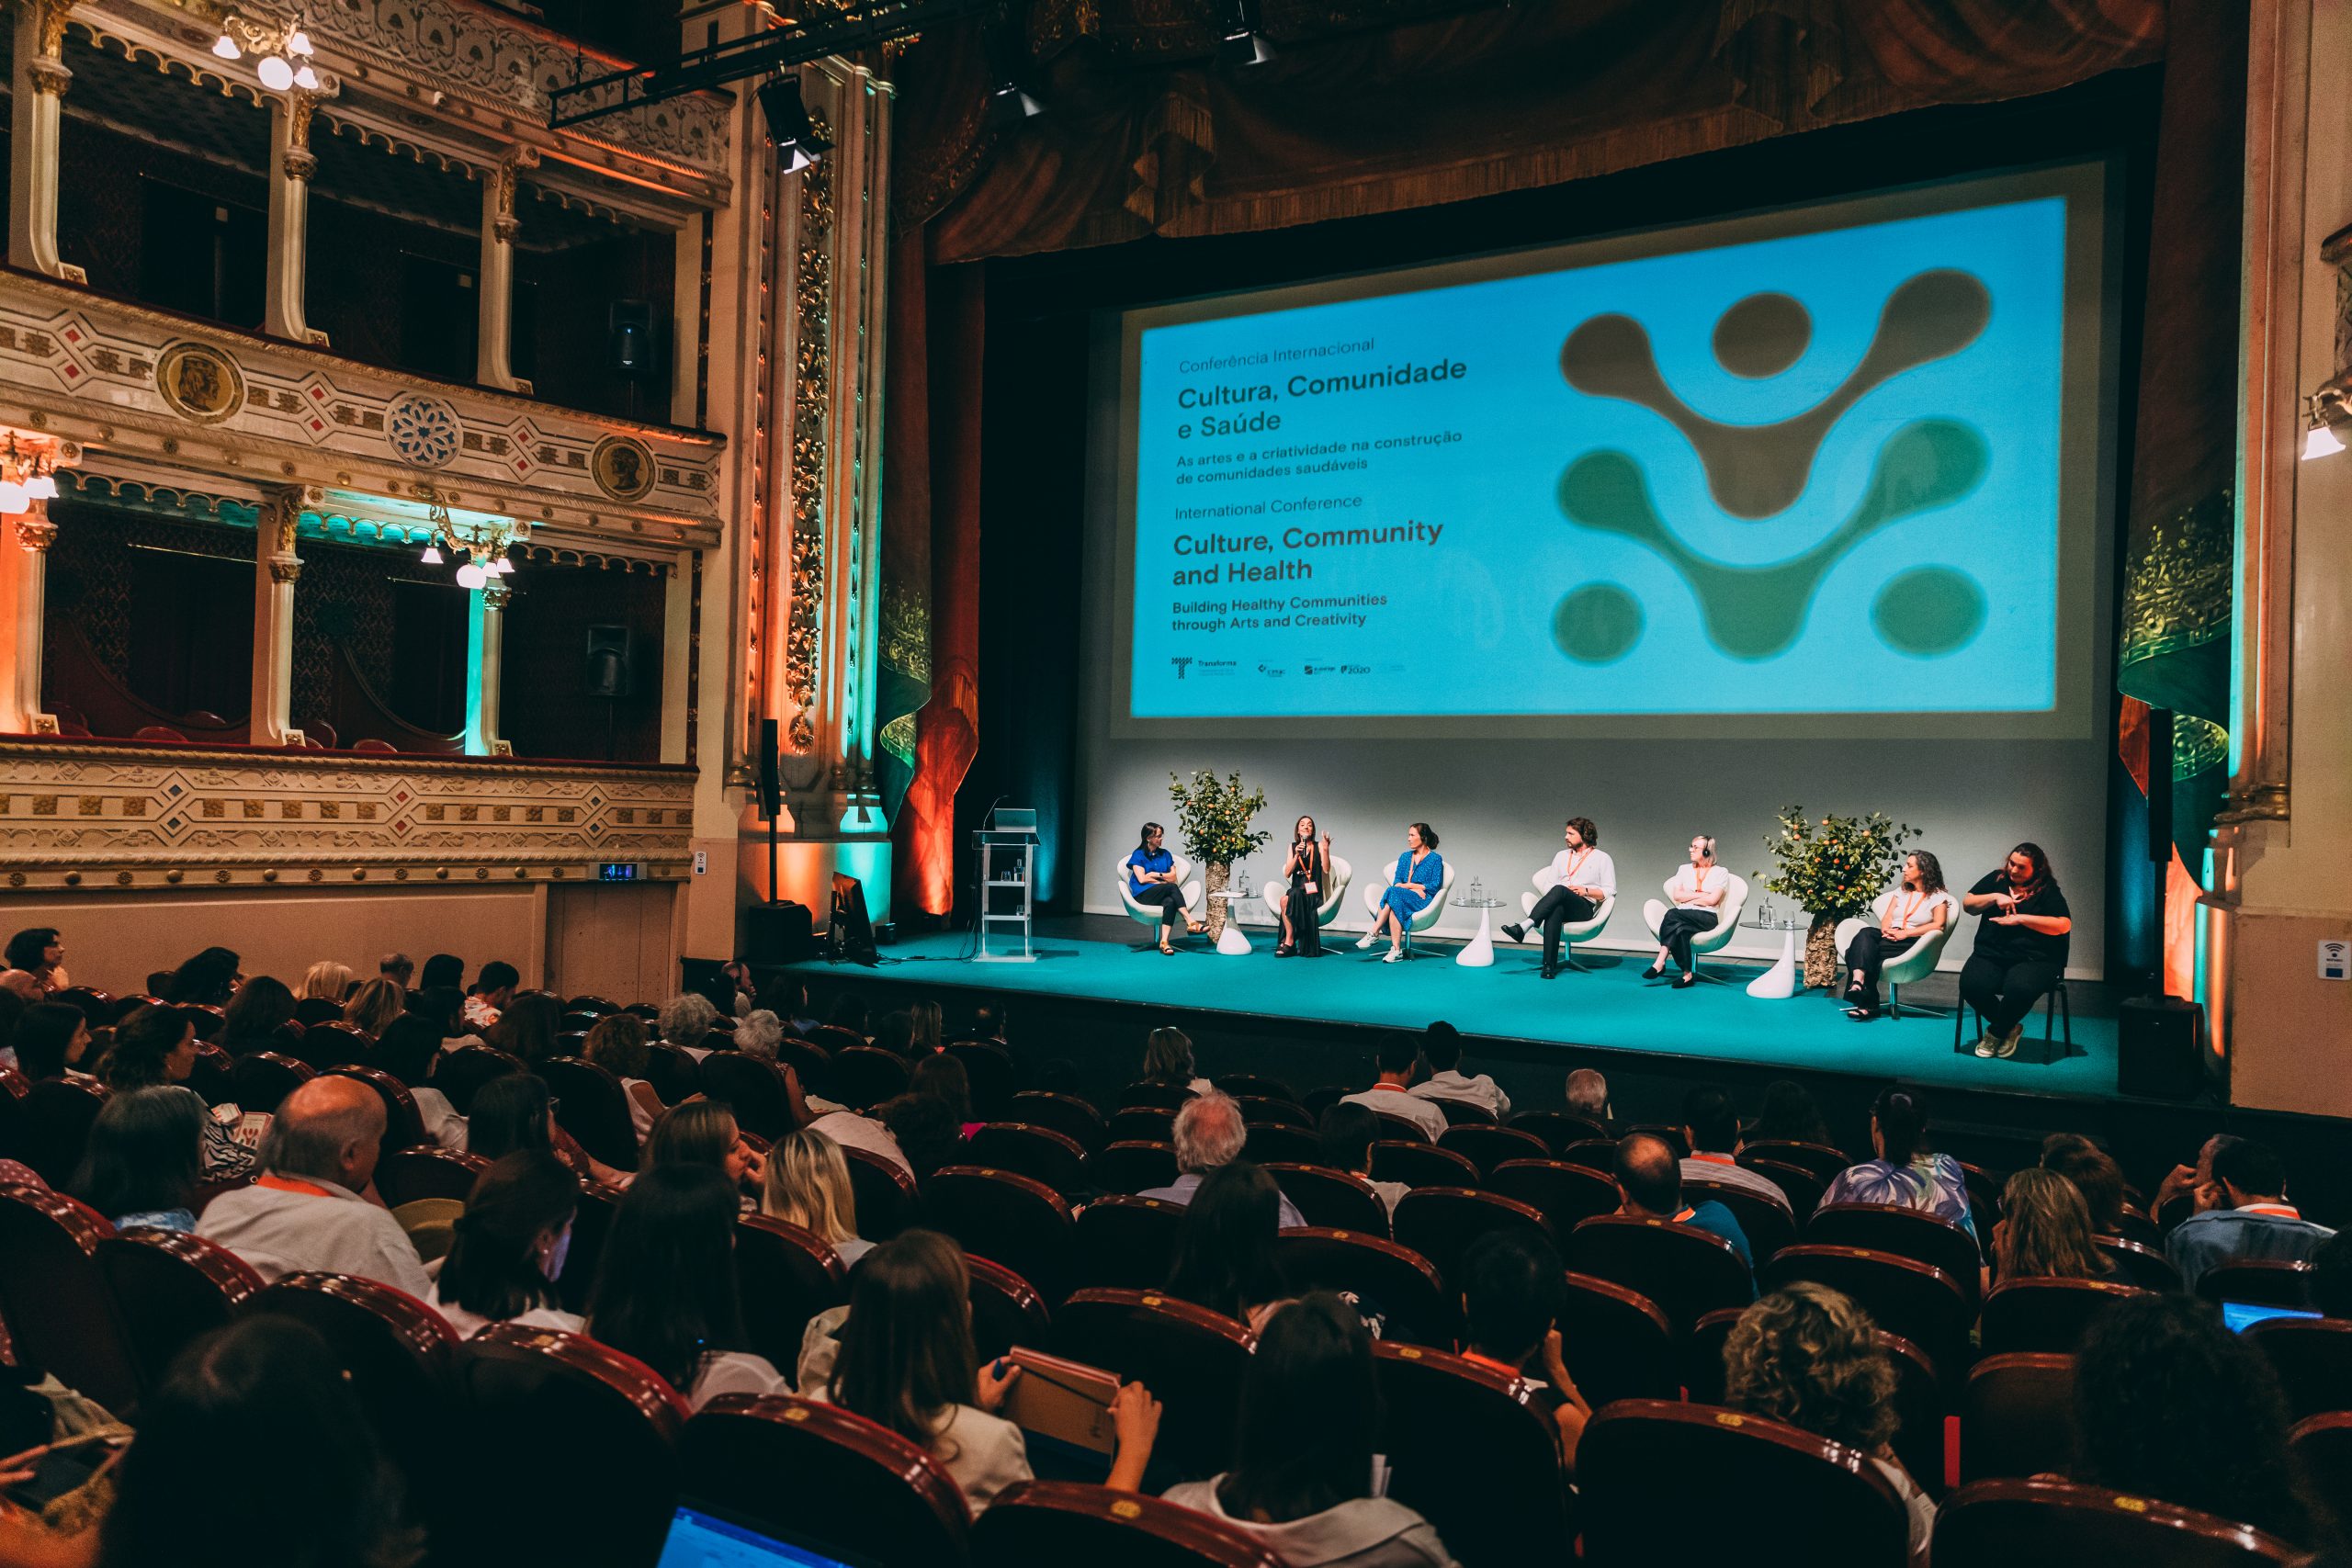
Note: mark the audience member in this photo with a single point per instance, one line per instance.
(1442, 1045)
(156, 1046)
(515, 1112)
(930, 1029)
(525, 1027)
(1391, 1092)
(1907, 1172)
(1807, 1356)
(988, 1022)
(2044, 1231)
(808, 1185)
(2170, 1404)
(1587, 1095)
(492, 990)
(2332, 1276)
(305, 1209)
(666, 1288)
(847, 1128)
(328, 982)
(507, 1250)
(51, 1040)
(1056, 1075)
(1225, 1252)
(895, 1033)
(702, 1132)
(256, 1019)
(1710, 1126)
(1789, 1115)
(23, 985)
(1348, 1132)
(255, 1452)
(13, 1009)
(686, 1020)
(209, 978)
(787, 996)
(906, 1361)
(397, 967)
(1650, 1177)
(943, 1077)
(375, 1005)
(440, 1006)
(1209, 1133)
(2246, 1217)
(1303, 1475)
(2093, 1173)
(1514, 1290)
(1168, 1060)
(925, 1130)
(848, 1012)
(2190, 1183)
(618, 1045)
(743, 990)
(408, 1049)
(38, 952)
(443, 970)
(760, 1035)
(145, 1153)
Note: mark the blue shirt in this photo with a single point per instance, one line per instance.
(1715, 1220)
(1157, 859)
(2225, 1235)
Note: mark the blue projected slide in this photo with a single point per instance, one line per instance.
(1813, 473)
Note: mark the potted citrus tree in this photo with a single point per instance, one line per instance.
(1212, 824)
(1833, 868)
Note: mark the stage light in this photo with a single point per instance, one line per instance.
(2320, 441)
(1009, 107)
(274, 73)
(226, 47)
(14, 498)
(470, 576)
(432, 556)
(306, 78)
(1241, 45)
(798, 142)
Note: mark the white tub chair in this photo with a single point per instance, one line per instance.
(1727, 915)
(1901, 969)
(1571, 931)
(1148, 914)
(1429, 913)
(1271, 894)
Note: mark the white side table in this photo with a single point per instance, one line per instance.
(1229, 942)
(1480, 952)
(1780, 982)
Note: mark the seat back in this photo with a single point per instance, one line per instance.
(809, 1469)
(1826, 1502)
(2050, 1315)
(13, 1088)
(1131, 1166)
(1069, 1521)
(1464, 1114)
(1192, 1360)
(55, 1127)
(54, 1297)
(1558, 1129)
(1333, 1199)
(1276, 1108)
(994, 1077)
(2266, 1281)
(1416, 1162)
(1389, 1282)
(1165, 1097)
(1472, 1451)
(405, 1175)
(592, 1107)
(1140, 1124)
(1273, 1142)
(1128, 1243)
(333, 1044)
(590, 1226)
(2049, 1524)
(2136, 1263)
(1903, 1296)
(588, 1434)
(1823, 1160)
(751, 1088)
(1065, 1113)
(785, 1276)
(1255, 1086)
(168, 1288)
(98, 1006)
(403, 1124)
(1595, 1154)
(1006, 1310)
(1617, 1343)
(1038, 1153)
(674, 1073)
(262, 1081)
(1687, 1272)
(1798, 1186)
(2313, 1357)
(460, 1072)
(395, 1350)
(885, 1194)
(2324, 1444)
(2016, 1415)
(1009, 1219)
(1768, 1223)
(1486, 1146)
(1440, 1222)
(861, 1076)
(1904, 1232)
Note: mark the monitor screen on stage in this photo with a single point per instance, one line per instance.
(1844, 461)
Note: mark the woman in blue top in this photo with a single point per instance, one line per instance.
(1151, 879)
(1420, 871)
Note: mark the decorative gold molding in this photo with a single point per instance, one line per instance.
(2262, 803)
(811, 406)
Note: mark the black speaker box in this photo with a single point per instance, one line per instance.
(630, 342)
(2161, 1045)
(612, 659)
(770, 787)
(778, 933)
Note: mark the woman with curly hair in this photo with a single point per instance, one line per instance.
(2044, 1231)
(1807, 1356)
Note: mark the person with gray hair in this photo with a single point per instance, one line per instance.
(761, 1034)
(1210, 1133)
(685, 1019)
(397, 967)
(305, 1210)
(1588, 1094)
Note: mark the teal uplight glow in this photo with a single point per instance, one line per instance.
(476, 740)
(2199, 923)
(869, 861)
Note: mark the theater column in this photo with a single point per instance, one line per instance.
(39, 81)
(276, 567)
(493, 363)
(292, 163)
(23, 580)
(485, 666)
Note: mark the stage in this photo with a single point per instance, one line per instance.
(1613, 1009)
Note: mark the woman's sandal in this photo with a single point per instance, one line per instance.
(1168, 949)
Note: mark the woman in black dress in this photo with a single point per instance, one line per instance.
(1308, 867)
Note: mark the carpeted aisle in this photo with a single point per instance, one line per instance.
(1613, 1007)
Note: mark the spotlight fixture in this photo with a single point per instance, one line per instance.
(1009, 105)
(798, 143)
(1241, 45)
(2320, 439)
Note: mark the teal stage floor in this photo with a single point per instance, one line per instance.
(1612, 1008)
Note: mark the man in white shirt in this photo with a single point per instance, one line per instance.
(1583, 878)
(1209, 1133)
(1389, 1095)
(305, 1212)
(1442, 1044)
(1711, 1125)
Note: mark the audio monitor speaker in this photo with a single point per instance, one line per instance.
(612, 659)
(2161, 1044)
(778, 933)
(630, 344)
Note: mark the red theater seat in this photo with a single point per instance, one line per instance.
(1141, 1124)
(1333, 1198)
(1419, 1163)
(2048, 1524)
(406, 1175)
(1390, 1280)
(1558, 1129)
(1486, 1146)
(2324, 1443)
(1617, 1344)
(1272, 1143)
(785, 1276)
(458, 1073)
(1255, 1086)
(1402, 1128)
(1566, 1195)
(753, 1089)
(1192, 1360)
(403, 1124)
(2264, 1282)
(1010, 1219)
(886, 1200)
(994, 1077)
(2137, 1263)
(810, 1469)
(1688, 1273)
(672, 1071)
(2017, 1416)
(1280, 1112)
(592, 1106)
(1154, 1096)
(1903, 1296)
(1803, 1188)
(54, 1297)
(1464, 1114)
(1470, 1450)
(1068, 1521)
(1905, 1233)
(1037, 1153)
(1132, 1167)
(1821, 1160)
(335, 1044)
(1593, 1153)
(1440, 1222)
(54, 1126)
(2050, 1315)
(861, 1076)
(263, 1080)
(1006, 1310)
(1127, 1243)
(1767, 1223)
(1065, 1113)
(168, 1288)
(2313, 1357)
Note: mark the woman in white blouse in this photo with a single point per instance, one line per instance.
(1696, 889)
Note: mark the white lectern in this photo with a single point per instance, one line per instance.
(1008, 848)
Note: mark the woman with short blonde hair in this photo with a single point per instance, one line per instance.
(327, 981)
(376, 1004)
(808, 1185)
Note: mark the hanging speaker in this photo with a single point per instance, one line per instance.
(771, 788)
(2160, 785)
(629, 343)
(611, 661)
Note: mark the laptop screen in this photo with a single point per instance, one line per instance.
(700, 1539)
(2242, 1316)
